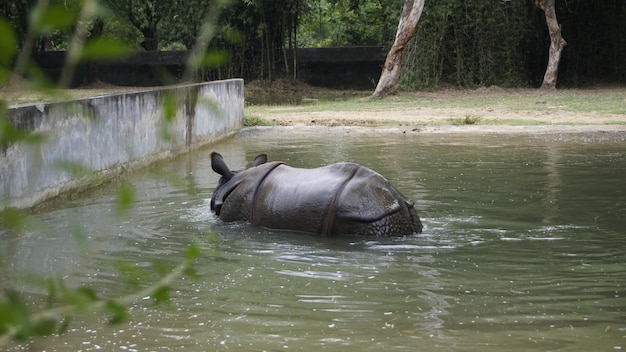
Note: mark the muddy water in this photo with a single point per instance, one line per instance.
(523, 249)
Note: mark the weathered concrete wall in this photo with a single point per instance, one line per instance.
(109, 134)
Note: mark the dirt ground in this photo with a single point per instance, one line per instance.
(492, 118)
(429, 116)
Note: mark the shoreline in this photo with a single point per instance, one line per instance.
(549, 132)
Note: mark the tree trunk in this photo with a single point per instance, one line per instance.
(557, 43)
(388, 82)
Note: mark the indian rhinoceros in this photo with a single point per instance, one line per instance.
(339, 199)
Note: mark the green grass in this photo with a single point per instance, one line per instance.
(249, 120)
(611, 102)
(467, 120)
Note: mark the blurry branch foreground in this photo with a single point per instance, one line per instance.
(17, 322)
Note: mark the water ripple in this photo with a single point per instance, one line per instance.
(336, 276)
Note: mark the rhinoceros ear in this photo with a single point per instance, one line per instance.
(218, 165)
(260, 159)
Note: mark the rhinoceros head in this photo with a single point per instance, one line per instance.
(219, 165)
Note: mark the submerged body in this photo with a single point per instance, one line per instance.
(338, 199)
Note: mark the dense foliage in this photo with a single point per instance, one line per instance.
(506, 43)
(347, 23)
(473, 42)
(464, 43)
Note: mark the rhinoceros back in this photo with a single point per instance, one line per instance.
(299, 199)
(342, 198)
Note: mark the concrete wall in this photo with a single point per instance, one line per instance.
(109, 134)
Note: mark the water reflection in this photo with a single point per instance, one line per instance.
(522, 249)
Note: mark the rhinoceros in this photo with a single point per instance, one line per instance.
(339, 199)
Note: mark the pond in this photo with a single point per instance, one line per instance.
(523, 249)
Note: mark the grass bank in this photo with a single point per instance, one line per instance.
(454, 107)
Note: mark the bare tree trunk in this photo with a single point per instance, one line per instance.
(557, 43)
(388, 82)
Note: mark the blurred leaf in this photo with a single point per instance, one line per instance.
(78, 232)
(169, 114)
(12, 218)
(118, 312)
(215, 58)
(125, 197)
(75, 168)
(104, 48)
(211, 102)
(38, 77)
(169, 108)
(55, 17)
(223, 3)
(131, 273)
(233, 35)
(191, 271)
(79, 297)
(161, 295)
(64, 325)
(10, 135)
(212, 237)
(8, 46)
(4, 75)
(193, 251)
(14, 316)
(16, 219)
(52, 293)
(87, 293)
(162, 268)
(44, 326)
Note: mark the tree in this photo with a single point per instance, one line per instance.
(16, 12)
(347, 23)
(557, 43)
(388, 82)
(144, 15)
(266, 26)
